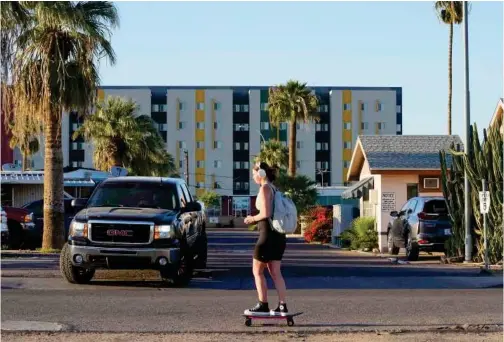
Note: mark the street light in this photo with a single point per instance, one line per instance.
(243, 126)
(321, 173)
(467, 110)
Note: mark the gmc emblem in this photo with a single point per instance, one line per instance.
(117, 232)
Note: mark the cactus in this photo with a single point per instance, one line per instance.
(483, 161)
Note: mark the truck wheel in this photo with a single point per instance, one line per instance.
(74, 274)
(412, 252)
(180, 274)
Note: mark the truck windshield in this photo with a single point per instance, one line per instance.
(135, 195)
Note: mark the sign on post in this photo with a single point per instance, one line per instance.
(484, 198)
(388, 201)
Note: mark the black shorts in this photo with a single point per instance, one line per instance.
(270, 245)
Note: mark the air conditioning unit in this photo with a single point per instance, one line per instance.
(431, 183)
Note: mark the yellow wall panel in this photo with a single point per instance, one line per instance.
(199, 192)
(200, 154)
(347, 155)
(376, 129)
(200, 116)
(177, 156)
(347, 135)
(200, 135)
(360, 117)
(347, 116)
(200, 174)
(345, 171)
(200, 95)
(101, 95)
(178, 113)
(347, 96)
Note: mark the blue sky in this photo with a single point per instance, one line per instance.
(323, 43)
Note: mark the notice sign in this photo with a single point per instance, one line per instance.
(484, 197)
(388, 201)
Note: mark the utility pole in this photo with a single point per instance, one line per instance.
(186, 172)
(467, 110)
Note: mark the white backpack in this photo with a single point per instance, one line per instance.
(284, 219)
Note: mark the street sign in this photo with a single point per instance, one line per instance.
(117, 171)
(484, 198)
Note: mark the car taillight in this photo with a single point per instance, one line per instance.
(423, 216)
(423, 242)
(28, 218)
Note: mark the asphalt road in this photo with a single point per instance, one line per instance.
(337, 291)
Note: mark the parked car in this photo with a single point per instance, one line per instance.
(4, 229)
(422, 224)
(136, 223)
(37, 208)
(20, 226)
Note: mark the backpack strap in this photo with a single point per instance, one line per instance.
(273, 190)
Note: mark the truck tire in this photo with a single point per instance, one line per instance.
(412, 251)
(180, 274)
(74, 274)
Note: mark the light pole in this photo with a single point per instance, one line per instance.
(467, 110)
(258, 131)
(321, 173)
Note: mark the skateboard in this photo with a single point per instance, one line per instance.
(288, 317)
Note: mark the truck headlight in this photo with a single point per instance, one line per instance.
(163, 232)
(78, 229)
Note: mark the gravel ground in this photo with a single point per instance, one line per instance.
(270, 337)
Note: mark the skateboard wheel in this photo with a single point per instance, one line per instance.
(248, 322)
(290, 322)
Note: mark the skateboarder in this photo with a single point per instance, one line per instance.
(270, 245)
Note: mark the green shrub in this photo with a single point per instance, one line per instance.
(361, 235)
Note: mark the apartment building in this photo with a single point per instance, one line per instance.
(221, 128)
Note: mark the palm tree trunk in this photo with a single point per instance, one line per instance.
(450, 79)
(53, 237)
(292, 147)
(25, 160)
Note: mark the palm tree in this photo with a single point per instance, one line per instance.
(54, 69)
(450, 13)
(292, 102)
(121, 138)
(274, 153)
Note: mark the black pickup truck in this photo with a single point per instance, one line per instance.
(136, 223)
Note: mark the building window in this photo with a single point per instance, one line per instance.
(181, 106)
(346, 164)
(217, 164)
(77, 164)
(163, 108)
(378, 106)
(380, 125)
(200, 185)
(181, 125)
(283, 126)
(217, 144)
(323, 108)
(245, 108)
(216, 106)
(77, 146)
(363, 106)
(399, 127)
(299, 144)
(75, 126)
(322, 165)
(217, 185)
(364, 125)
(264, 125)
(284, 143)
(347, 145)
(264, 106)
(245, 145)
(347, 125)
(162, 127)
(182, 144)
(322, 146)
(398, 108)
(180, 164)
(237, 108)
(322, 127)
(347, 106)
(298, 164)
(215, 125)
(200, 106)
(200, 125)
(241, 165)
(155, 108)
(200, 163)
(200, 144)
(237, 146)
(241, 127)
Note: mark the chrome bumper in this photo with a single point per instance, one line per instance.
(171, 254)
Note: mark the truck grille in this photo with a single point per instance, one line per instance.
(121, 232)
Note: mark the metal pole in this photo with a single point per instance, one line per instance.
(186, 156)
(468, 238)
(483, 182)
